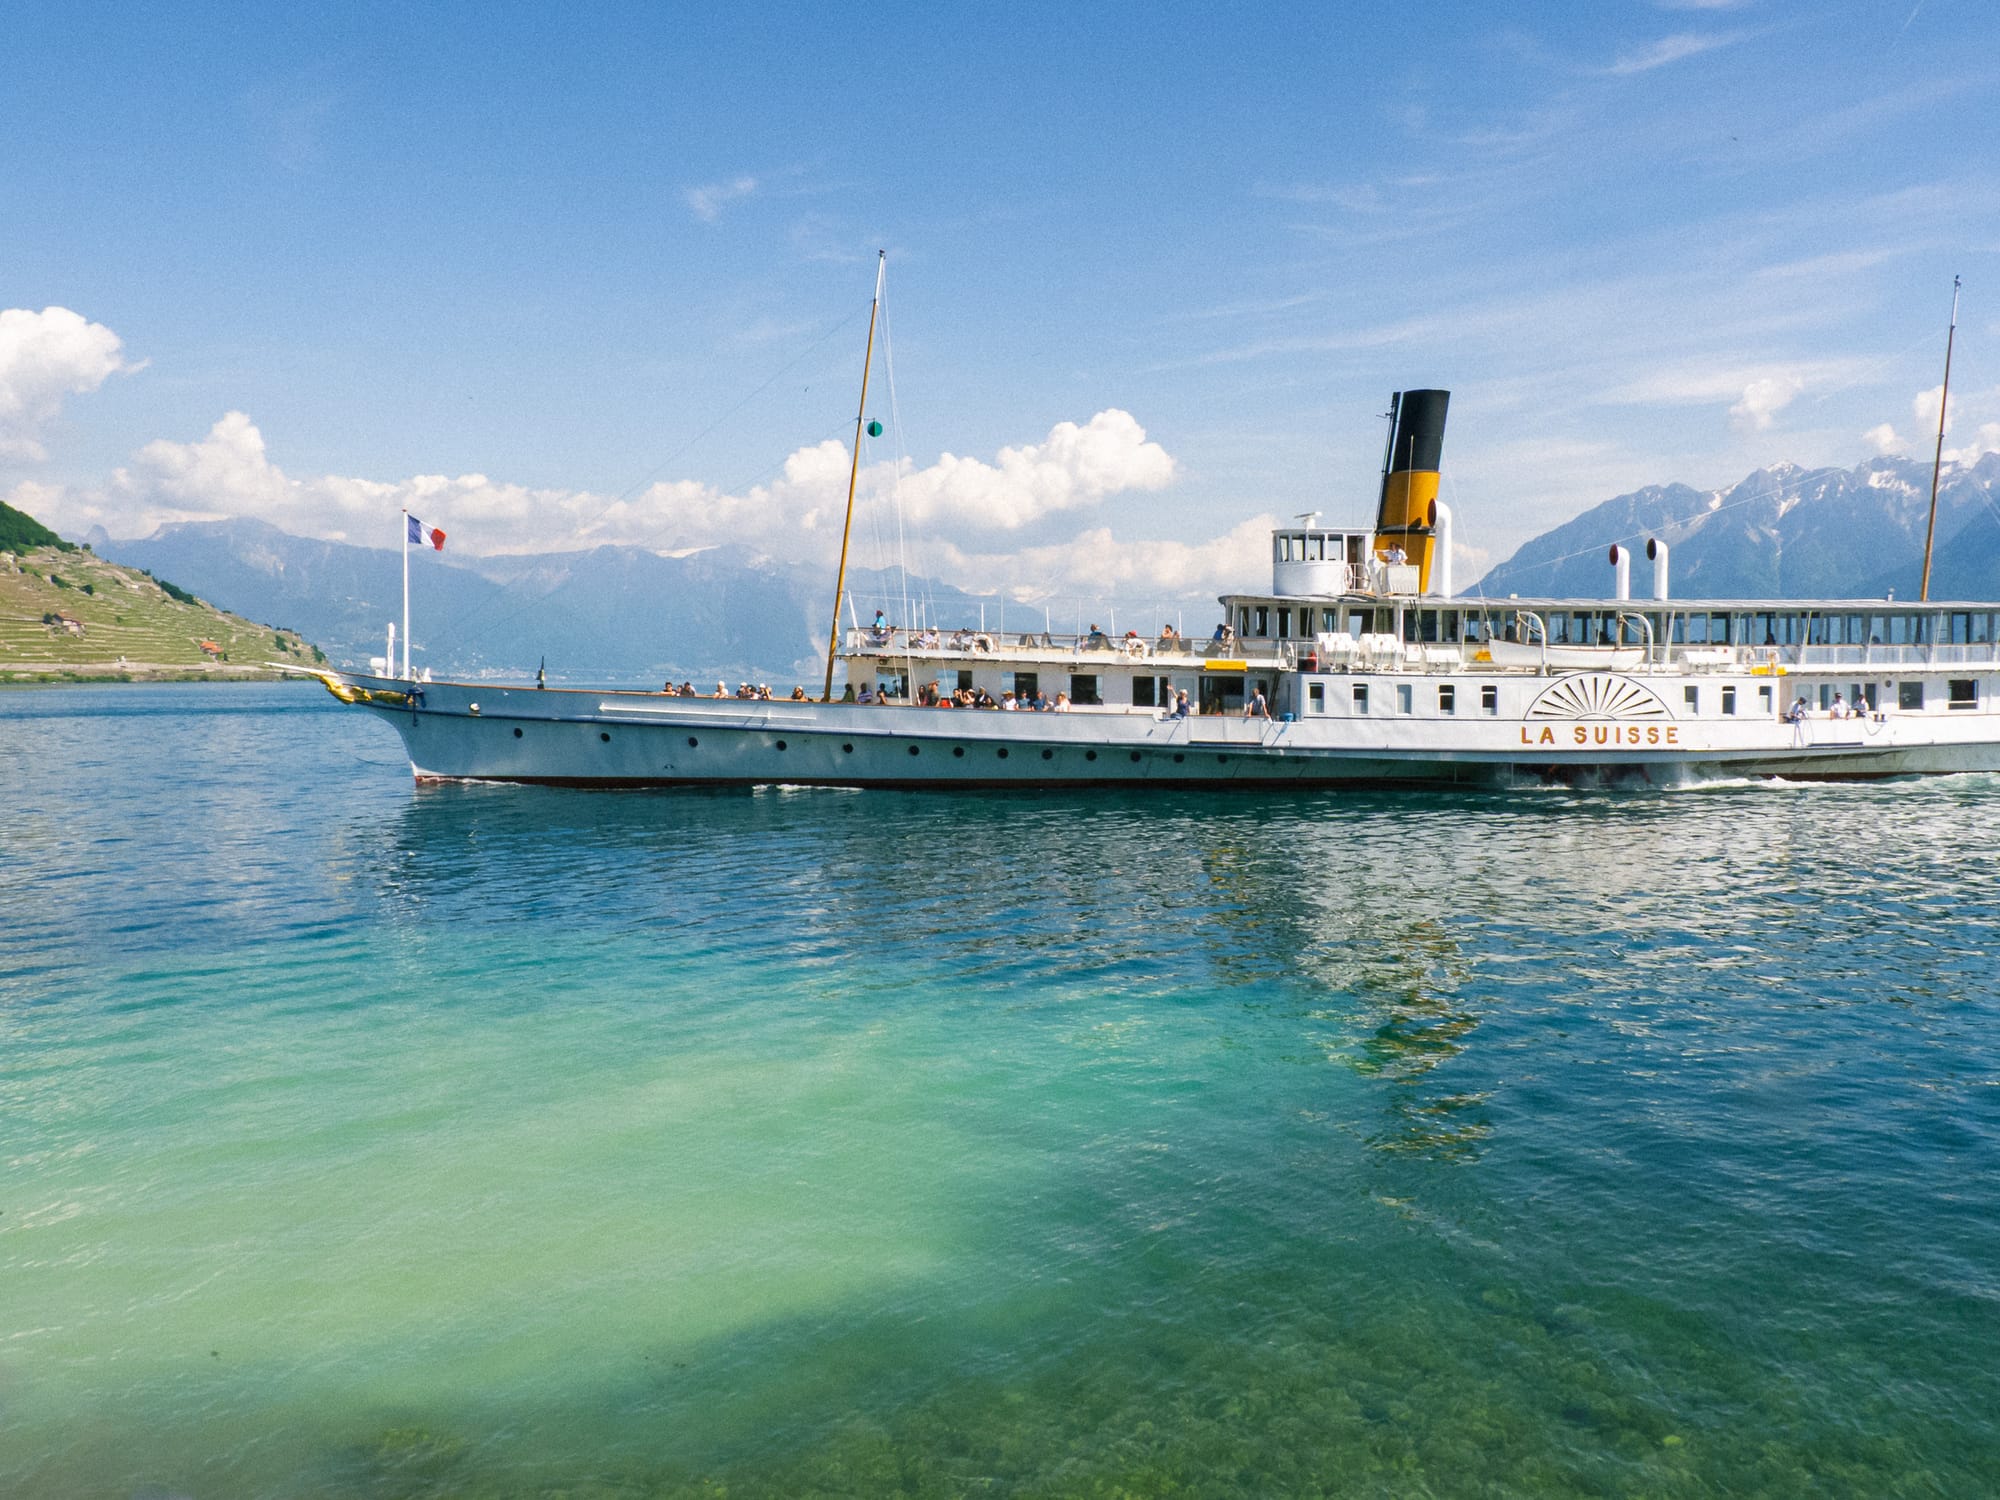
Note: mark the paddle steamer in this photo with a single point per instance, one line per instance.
(1357, 666)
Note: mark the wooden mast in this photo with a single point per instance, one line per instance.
(1937, 458)
(854, 473)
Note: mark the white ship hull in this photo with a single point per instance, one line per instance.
(561, 737)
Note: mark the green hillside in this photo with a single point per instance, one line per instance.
(65, 613)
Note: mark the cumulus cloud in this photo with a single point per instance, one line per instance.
(1883, 439)
(1763, 399)
(229, 472)
(45, 356)
(708, 200)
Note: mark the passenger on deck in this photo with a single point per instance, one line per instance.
(798, 695)
(867, 693)
(881, 622)
(1062, 703)
(983, 699)
(928, 638)
(1256, 707)
(961, 639)
(1007, 703)
(1096, 641)
(1041, 703)
(1179, 708)
(1799, 711)
(1170, 639)
(1838, 708)
(721, 690)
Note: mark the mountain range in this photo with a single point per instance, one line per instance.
(1783, 532)
(628, 614)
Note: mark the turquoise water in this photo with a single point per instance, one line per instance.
(363, 1140)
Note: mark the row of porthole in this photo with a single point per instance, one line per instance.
(959, 751)
(605, 736)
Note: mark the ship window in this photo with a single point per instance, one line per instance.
(1142, 692)
(1729, 700)
(1864, 697)
(1692, 697)
(1489, 700)
(1315, 697)
(1243, 620)
(1406, 698)
(1027, 685)
(1910, 696)
(1361, 697)
(1964, 692)
(1982, 629)
(1961, 628)
(1327, 618)
(1764, 699)
(1284, 622)
(1819, 631)
(1447, 698)
(965, 681)
(1082, 687)
(1263, 620)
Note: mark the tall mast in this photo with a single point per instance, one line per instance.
(1937, 458)
(854, 473)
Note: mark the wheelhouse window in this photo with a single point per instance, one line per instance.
(1284, 623)
(1263, 617)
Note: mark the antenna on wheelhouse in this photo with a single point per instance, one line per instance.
(1937, 457)
(853, 473)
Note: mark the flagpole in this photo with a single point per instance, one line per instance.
(404, 538)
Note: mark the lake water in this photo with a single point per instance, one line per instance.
(367, 1140)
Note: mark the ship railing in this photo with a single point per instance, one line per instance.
(972, 645)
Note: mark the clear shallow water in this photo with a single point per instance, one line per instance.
(367, 1141)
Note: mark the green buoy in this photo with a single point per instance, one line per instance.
(874, 429)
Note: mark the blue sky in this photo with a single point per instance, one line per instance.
(558, 275)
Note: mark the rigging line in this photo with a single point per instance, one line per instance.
(484, 615)
(902, 454)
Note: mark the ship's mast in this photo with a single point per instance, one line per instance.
(1937, 458)
(853, 473)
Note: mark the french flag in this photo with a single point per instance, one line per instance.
(418, 536)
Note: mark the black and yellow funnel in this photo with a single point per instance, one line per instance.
(1406, 520)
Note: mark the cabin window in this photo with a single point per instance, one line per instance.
(1027, 685)
(1361, 697)
(1243, 620)
(1489, 700)
(1982, 630)
(1864, 698)
(1764, 700)
(1284, 623)
(1964, 692)
(1729, 699)
(1328, 621)
(965, 681)
(1406, 698)
(1142, 693)
(895, 684)
(1083, 688)
(1960, 625)
(1315, 697)
(1764, 629)
(1692, 697)
(1447, 698)
(1263, 617)
(1910, 696)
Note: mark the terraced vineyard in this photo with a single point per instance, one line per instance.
(66, 613)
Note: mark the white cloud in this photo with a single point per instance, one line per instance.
(45, 356)
(797, 515)
(1670, 49)
(1096, 564)
(708, 200)
(1883, 439)
(1763, 399)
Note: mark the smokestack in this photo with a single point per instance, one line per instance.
(1410, 479)
(1622, 561)
(1657, 551)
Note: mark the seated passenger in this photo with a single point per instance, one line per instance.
(798, 695)
(1096, 640)
(1062, 703)
(961, 639)
(1177, 706)
(866, 695)
(1007, 703)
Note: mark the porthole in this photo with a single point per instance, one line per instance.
(1179, 758)
(1048, 755)
(913, 749)
(606, 737)
(846, 749)
(517, 734)
(958, 752)
(781, 744)
(692, 742)
(1135, 757)
(1090, 755)
(1222, 760)
(1003, 752)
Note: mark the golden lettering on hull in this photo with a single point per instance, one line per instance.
(1608, 735)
